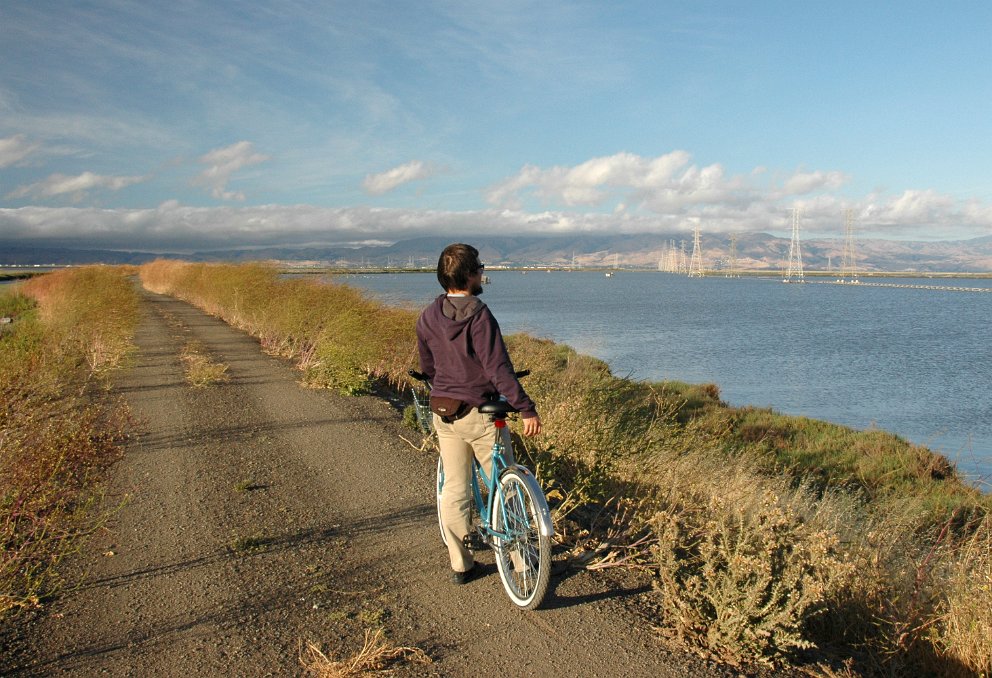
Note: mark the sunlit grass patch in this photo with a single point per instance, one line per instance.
(966, 622)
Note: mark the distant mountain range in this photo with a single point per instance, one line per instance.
(755, 251)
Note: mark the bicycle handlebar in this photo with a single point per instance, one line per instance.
(420, 376)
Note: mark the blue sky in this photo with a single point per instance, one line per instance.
(207, 124)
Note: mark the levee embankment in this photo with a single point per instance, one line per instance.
(767, 534)
(766, 538)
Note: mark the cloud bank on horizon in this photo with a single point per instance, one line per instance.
(216, 125)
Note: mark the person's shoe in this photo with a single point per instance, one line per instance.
(460, 578)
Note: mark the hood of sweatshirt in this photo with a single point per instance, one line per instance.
(458, 311)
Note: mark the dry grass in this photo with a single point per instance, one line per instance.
(375, 656)
(200, 370)
(966, 625)
(58, 428)
(769, 534)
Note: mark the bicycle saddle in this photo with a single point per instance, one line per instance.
(497, 407)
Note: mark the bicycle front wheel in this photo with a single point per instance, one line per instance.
(523, 554)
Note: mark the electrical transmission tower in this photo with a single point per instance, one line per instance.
(732, 263)
(795, 252)
(696, 263)
(849, 268)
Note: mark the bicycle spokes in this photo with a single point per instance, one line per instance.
(523, 553)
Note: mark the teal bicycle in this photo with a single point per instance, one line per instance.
(510, 515)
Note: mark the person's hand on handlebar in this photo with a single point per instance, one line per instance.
(532, 426)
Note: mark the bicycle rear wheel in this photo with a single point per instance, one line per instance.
(523, 556)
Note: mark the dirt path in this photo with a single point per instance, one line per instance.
(261, 515)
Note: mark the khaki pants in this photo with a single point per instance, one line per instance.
(472, 435)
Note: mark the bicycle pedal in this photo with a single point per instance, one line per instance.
(474, 542)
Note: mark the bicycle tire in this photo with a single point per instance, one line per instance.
(515, 512)
(438, 485)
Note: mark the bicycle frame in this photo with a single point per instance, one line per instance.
(499, 464)
(511, 510)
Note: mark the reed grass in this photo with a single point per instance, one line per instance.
(58, 428)
(768, 535)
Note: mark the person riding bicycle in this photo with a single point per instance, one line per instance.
(462, 353)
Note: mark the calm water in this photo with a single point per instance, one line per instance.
(917, 362)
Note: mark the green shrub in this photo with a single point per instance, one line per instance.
(744, 578)
(337, 368)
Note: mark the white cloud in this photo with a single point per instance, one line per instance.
(174, 227)
(801, 183)
(671, 188)
(76, 186)
(621, 193)
(661, 184)
(178, 228)
(919, 208)
(222, 163)
(14, 149)
(377, 184)
(976, 212)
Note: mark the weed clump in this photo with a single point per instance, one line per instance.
(200, 370)
(376, 654)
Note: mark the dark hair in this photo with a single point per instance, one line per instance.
(456, 263)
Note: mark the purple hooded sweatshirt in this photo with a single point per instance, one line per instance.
(462, 351)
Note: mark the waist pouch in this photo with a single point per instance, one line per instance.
(449, 409)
